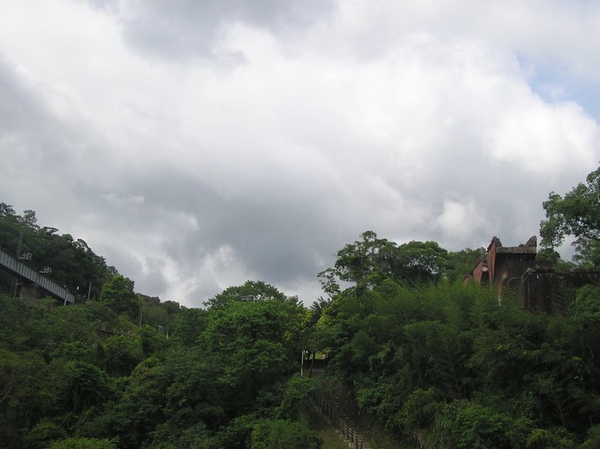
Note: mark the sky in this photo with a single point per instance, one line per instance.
(199, 144)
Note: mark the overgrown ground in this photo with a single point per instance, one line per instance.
(375, 436)
(326, 432)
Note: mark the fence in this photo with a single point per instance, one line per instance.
(349, 434)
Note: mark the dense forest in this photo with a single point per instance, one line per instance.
(410, 348)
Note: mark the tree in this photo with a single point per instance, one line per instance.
(462, 262)
(587, 252)
(6, 210)
(576, 214)
(74, 265)
(122, 354)
(118, 294)
(422, 261)
(189, 325)
(250, 291)
(84, 385)
(369, 261)
(257, 343)
(276, 434)
(478, 427)
(83, 443)
(365, 261)
(317, 308)
(29, 219)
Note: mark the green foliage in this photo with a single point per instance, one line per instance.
(259, 339)
(84, 443)
(122, 354)
(141, 407)
(587, 252)
(576, 214)
(189, 325)
(119, 296)
(478, 427)
(73, 263)
(419, 411)
(445, 365)
(592, 440)
(105, 374)
(555, 438)
(250, 291)
(371, 260)
(294, 397)
(440, 364)
(422, 262)
(462, 262)
(157, 314)
(152, 340)
(19, 389)
(84, 385)
(277, 434)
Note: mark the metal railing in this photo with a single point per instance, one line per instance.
(19, 269)
(347, 432)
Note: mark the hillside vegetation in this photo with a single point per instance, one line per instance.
(411, 349)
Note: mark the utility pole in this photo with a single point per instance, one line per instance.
(15, 282)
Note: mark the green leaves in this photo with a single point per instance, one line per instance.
(258, 340)
(479, 427)
(576, 214)
(445, 365)
(279, 434)
(122, 354)
(84, 385)
(248, 292)
(370, 261)
(118, 294)
(84, 443)
(73, 263)
(104, 374)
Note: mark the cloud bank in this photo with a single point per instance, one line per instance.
(198, 145)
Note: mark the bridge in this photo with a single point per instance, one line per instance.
(27, 274)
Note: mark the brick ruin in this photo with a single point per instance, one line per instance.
(515, 270)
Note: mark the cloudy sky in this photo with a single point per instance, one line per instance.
(196, 144)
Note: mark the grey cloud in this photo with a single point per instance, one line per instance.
(188, 189)
(188, 29)
(153, 278)
(40, 137)
(17, 105)
(277, 240)
(37, 149)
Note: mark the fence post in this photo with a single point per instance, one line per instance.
(348, 433)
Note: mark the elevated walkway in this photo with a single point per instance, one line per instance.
(26, 273)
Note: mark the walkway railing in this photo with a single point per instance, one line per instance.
(347, 432)
(22, 271)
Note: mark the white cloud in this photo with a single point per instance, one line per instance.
(461, 219)
(198, 154)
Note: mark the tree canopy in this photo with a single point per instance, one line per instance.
(104, 374)
(249, 291)
(72, 261)
(370, 260)
(577, 213)
(118, 294)
(438, 364)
